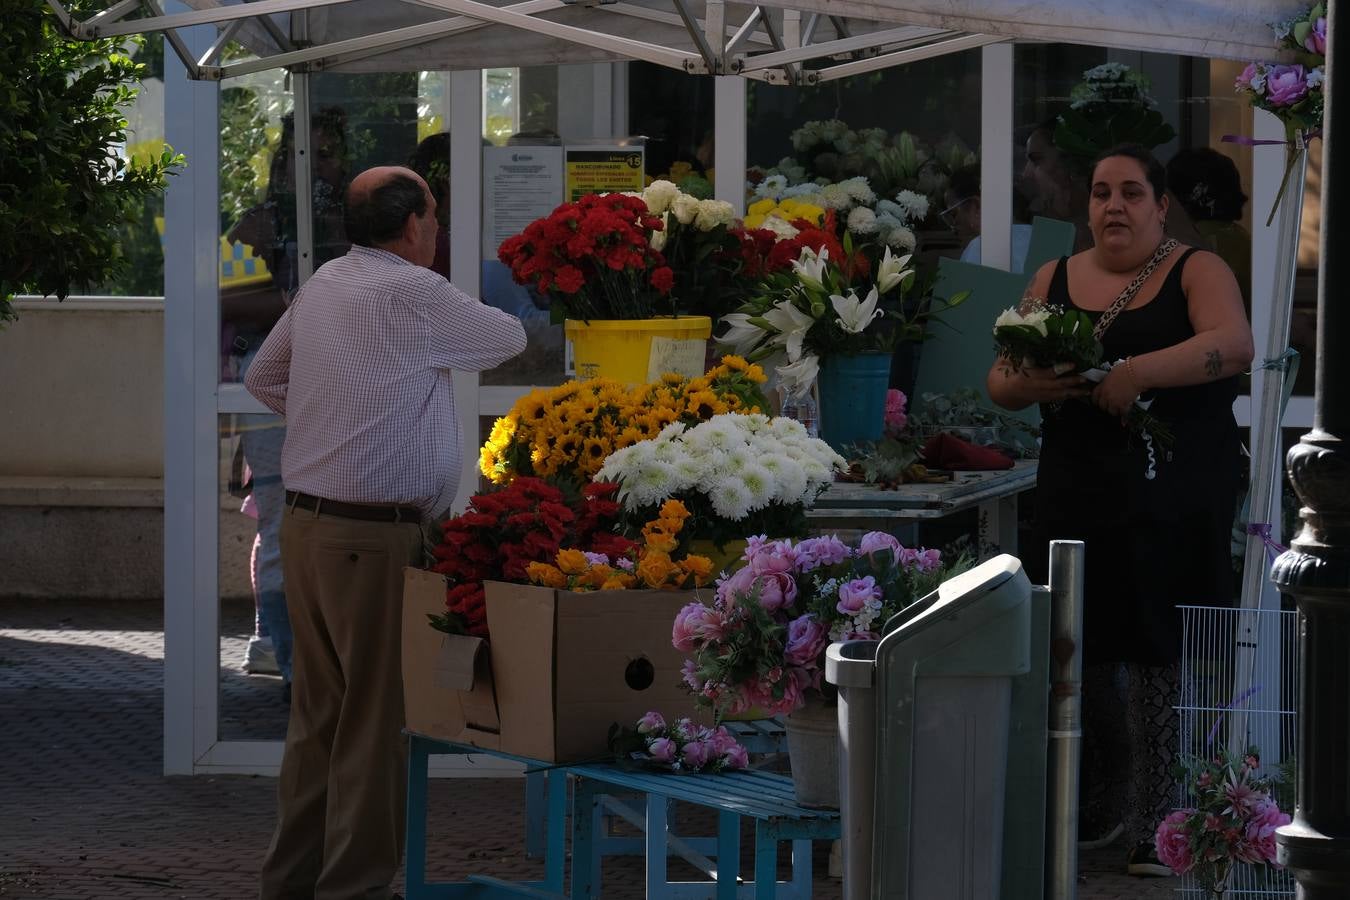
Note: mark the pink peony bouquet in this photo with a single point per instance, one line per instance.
(895, 418)
(1294, 90)
(761, 643)
(688, 747)
(1233, 821)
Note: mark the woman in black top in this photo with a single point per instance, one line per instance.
(1157, 535)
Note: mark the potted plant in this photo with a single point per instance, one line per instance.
(761, 641)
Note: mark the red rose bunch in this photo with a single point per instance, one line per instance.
(594, 258)
(505, 530)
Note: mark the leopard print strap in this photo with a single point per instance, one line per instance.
(1118, 305)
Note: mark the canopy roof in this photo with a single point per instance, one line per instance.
(783, 41)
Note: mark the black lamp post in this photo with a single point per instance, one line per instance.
(1316, 570)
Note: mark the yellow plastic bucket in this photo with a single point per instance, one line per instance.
(636, 351)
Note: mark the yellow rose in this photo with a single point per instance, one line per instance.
(675, 509)
(548, 576)
(700, 567)
(572, 562)
(654, 568)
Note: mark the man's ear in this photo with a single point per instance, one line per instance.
(409, 232)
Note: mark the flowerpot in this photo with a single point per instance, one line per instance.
(813, 752)
(853, 398)
(636, 351)
(722, 560)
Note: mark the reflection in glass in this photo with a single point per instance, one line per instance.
(254, 628)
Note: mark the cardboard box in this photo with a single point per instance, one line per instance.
(563, 667)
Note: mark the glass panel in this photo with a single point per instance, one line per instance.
(675, 113)
(254, 630)
(838, 130)
(257, 214)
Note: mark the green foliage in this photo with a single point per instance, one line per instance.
(65, 193)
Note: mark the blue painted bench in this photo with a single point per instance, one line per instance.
(765, 798)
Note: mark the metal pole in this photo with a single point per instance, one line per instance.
(1066, 717)
(1316, 569)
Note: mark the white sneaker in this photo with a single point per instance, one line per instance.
(260, 658)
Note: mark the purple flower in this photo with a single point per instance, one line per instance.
(1260, 832)
(853, 595)
(776, 591)
(806, 638)
(813, 553)
(1316, 41)
(1173, 843)
(773, 559)
(1252, 79)
(689, 672)
(624, 563)
(651, 722)
(879, 540)
(929, 560)
(722, 740)
(735, 757)
(740, 582)
(596, 559)
(1286, 85)
(696, 625)
(696, 754)
(662, 749)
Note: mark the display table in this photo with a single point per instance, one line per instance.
(766, 799)
(864, 507)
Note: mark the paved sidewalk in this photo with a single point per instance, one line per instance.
(85, 813)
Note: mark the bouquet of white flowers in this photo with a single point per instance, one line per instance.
(1040, 335)
(736, 474)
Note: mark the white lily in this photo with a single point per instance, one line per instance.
(792, 324)
(891, 270)
(854, 314)
(797, 377)
(742, 337)
(810, 267)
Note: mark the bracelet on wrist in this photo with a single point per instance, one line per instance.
(1134, 376)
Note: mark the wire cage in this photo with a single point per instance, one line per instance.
(1239, 687)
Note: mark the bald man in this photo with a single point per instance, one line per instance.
(360, 365)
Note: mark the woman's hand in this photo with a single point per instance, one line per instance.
(1117, 391)
(1029, 384)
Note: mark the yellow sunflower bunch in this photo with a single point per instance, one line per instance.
(654, 568)
(788, 210)
(569, 430)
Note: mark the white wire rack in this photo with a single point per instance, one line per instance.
(1239, 672)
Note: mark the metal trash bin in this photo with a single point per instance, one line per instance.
(924, 719)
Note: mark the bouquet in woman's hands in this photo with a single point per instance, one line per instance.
(1038, 334)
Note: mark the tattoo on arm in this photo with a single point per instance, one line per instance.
(1213, 363)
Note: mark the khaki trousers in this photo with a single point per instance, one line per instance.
(341, 793)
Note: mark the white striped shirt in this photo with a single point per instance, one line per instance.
(360, 367)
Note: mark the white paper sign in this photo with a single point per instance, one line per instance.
(674, 355)
(520, 184)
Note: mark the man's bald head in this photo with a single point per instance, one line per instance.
(379, 202)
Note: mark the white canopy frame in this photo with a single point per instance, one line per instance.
(771, 43)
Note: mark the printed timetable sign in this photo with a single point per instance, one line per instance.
(600, 170)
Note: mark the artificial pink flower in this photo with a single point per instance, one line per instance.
(813, 553)
(1173, 844)
(806, 639)
(1286, 85)
(1259, 837)
(854, 595)
(696, 625)
(894, 418)
(773, 558)
(651, 722)
(879, 540)
(776, 591)
(1251, 79)
(662, 749)
(1316, 41)
(736, 757)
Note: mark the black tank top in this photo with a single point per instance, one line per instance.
(1164, 321)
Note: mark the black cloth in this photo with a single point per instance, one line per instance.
(1151, 545)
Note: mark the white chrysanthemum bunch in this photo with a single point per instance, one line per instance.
(740, 463)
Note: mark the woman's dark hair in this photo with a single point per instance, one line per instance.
(1153, 170)
(1207, 184)
(377, 216)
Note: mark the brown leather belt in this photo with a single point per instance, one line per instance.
(366, 512)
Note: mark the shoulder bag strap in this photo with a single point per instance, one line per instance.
(1118, 305)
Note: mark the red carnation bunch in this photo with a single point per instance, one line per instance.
(594, 258)
(505, 530)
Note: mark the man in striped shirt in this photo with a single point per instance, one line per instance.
(360, 365)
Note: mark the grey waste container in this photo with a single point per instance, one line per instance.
(923, 799)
